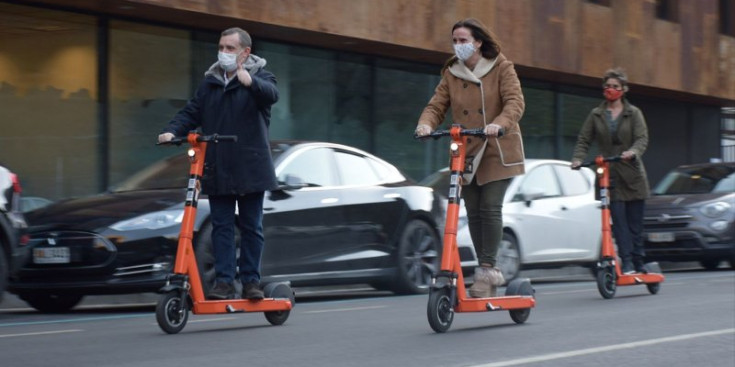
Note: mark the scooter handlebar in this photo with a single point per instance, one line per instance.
(214, 138)
(593, 162)
(436, 134)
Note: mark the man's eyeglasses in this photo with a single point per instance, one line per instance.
(616, 87)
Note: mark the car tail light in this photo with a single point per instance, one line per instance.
(16, 183)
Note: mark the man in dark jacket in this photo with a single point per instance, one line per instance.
(235, 98)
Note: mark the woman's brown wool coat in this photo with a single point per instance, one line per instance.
(504, 105)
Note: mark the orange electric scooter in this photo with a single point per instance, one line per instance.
(183, 290)
(447, 293)
(609, 273)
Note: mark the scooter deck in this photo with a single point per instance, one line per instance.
(242, 305)
(495, 304)
(639, 278)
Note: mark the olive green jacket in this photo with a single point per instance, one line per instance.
(628, 178)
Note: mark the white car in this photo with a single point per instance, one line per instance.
(550, 219)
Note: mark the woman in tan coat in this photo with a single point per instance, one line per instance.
(482, 88)
(619, 129)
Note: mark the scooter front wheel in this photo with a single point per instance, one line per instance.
(519, 287)
(172, 312)
(607, 281)
(653, 288)
(440, 310)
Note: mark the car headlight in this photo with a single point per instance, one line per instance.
(714, 210)
(155, 220)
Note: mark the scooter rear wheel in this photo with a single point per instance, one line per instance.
(278, 290)
(172, 312)
(440, 309)
(607, 281)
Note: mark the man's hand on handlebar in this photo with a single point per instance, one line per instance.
(165, 137)
(627, 155)
(576, 164)
(423, 130)
(493, 130)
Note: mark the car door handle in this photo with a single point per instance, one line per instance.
(563, 207)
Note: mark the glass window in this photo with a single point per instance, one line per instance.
(164, 174)
(540, 181)
(727, 17)
(48, 101)
(314, 166)
(573, 182)
(574, 110)
(152, 73)
(537, 123)
(402, 90)
(667, 10)
(355, 170)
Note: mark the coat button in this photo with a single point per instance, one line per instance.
(466, 112)
(479, 111)
(464, 85)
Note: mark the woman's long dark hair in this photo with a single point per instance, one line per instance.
(490, 48)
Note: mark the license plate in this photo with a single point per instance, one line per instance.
(51, 255)
(661, 237)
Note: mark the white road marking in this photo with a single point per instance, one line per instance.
(608, 348)
(347, 309)
(40, 333)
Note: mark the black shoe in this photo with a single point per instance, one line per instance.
(628, 268)
(252, 291)
(639, 265)
(222, 291)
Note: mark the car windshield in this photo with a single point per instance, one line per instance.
(171, 173)
(698, 180)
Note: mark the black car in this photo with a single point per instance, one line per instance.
(341, 216)
(12, 225)
(691, 216)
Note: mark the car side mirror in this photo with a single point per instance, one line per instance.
(532, 195)
(292, 182)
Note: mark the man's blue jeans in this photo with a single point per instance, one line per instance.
(250, 224)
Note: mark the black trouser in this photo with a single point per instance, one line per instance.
(627, 219)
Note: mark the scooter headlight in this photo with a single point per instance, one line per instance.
(454, 147)
(155, 220)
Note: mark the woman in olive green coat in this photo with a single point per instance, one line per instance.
(619, 129)
(482, 88)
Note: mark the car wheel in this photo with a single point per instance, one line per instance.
(418, 256)
(52, 303)
(509, 257)
(710, 264)
(204, 253)
(4, 269)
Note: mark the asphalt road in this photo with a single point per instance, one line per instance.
(691, 321)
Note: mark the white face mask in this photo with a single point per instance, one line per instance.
(227, 61)
(464, 50)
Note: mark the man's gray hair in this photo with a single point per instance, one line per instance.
(245, 40)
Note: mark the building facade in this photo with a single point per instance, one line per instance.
(86, 86)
